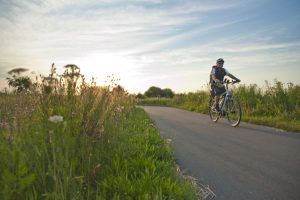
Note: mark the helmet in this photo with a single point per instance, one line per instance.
(220, 60)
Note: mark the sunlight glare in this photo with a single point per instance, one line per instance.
(102, 65)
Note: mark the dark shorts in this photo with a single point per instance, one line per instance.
(217, 91)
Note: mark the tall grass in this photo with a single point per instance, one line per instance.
(276, 105)
(102, 148)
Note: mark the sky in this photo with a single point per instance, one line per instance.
(165, 43)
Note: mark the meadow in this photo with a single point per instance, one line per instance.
(276, 105)
(64, 140)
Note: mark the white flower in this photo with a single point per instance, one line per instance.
(56, 119)
(169, 141)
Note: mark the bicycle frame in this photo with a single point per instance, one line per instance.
(227, 93)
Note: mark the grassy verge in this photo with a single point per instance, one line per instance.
(141, 164)
(274, 106)
(102, 148)
(63, 138)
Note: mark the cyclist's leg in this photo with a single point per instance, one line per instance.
(221, 91)
(217, 97)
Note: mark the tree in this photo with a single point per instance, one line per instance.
(158, 92)
(21, 83)
(167, 92)
(154, 92)
(140, 96)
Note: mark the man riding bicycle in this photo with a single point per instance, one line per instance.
(216, 79)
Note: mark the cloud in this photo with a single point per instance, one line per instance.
(246, 48)
(60, 28)
(136, 38)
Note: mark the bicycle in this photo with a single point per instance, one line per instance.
(229, 106)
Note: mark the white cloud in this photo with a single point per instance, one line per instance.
(241, 48)
(126, 37)
(55, 28)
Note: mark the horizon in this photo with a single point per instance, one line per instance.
(168, 44)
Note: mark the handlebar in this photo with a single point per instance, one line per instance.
(226, 81)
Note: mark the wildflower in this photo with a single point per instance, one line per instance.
(169, 141)
(56, 119)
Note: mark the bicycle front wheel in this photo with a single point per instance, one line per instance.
(233, 112)
(213, 113)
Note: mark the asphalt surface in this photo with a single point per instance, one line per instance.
(247, 162)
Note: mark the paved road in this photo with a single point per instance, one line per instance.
(247, 162)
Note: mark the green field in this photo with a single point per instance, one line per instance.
(276, 105)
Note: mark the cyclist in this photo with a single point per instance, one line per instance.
(216, 78)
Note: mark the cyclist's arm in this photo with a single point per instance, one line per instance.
(214, 78)
(213, 75)
(233, 77)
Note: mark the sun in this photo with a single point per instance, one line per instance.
(101, 65)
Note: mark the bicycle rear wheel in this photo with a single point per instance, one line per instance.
(233, 112)
(213, 113)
